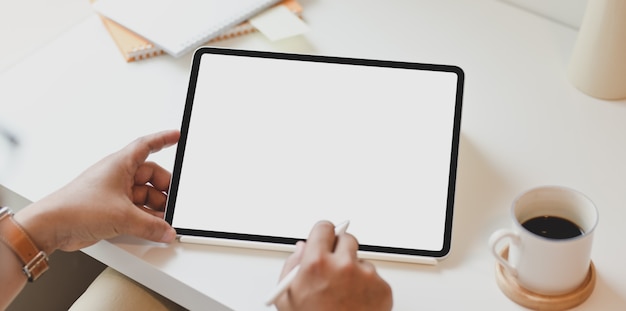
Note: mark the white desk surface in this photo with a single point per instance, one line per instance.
(75, 100)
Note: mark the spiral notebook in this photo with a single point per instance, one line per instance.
(134, 47)
(180, 26)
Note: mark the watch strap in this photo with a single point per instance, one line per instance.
(13, 235)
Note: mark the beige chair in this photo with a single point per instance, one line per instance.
(112, 290)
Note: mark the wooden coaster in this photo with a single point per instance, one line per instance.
(509, 286)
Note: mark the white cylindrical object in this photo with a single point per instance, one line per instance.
(598, 63)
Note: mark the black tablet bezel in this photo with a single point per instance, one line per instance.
(180, 151)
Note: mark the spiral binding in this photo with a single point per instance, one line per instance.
(203, 37)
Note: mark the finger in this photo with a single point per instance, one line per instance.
(145, 195)
(149, 227)
(158, 214)
(347, 245)
(142, 147)
(293, 259)
(150, 172)
(322, 237)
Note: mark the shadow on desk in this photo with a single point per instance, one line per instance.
(479, 192)
(479, 189)
(604, 295)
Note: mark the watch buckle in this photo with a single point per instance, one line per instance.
(33, 270)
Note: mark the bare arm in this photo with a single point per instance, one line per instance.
(121, 194)
(13, 280)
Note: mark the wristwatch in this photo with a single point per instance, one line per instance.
(13, 235)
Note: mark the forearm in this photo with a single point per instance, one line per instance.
(13, 280)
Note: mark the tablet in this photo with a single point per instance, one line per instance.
(272, 143)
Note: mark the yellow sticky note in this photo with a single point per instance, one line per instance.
(279, 23)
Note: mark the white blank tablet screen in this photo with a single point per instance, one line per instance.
(275, 145)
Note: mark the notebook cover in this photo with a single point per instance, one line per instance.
(134, 47)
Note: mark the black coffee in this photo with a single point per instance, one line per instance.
(552, 227)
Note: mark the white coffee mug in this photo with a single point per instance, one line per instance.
(548, 265)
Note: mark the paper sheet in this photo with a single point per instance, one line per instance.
(279, 23)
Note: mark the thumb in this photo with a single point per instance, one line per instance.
(294, 259)
(150, 227)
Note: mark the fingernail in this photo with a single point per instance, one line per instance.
(168, 236)
(299, 247)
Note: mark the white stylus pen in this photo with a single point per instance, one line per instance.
(286, 281)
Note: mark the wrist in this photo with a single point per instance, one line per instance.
(39, 227)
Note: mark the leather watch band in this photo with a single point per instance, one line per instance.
(13, 235)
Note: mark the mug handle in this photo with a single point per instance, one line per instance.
(495, 239)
